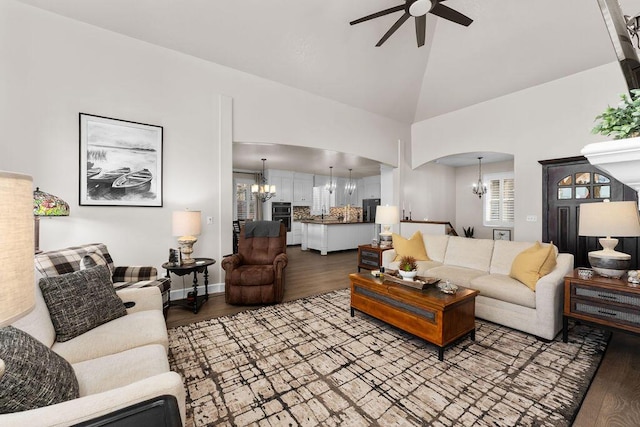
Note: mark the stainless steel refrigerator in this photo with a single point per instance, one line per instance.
(369, 209)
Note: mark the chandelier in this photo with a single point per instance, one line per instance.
(479, 188)
(263, 191)
(331, 186)
(350, 187)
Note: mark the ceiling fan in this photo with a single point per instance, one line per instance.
(419, 10)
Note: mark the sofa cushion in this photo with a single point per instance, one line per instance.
(67, 260)
(37, 323)
(413, 246)
(458, 275)
(34, 375)
(504, 288)
(80, 301)
(120, 369)
(527, 265)
(436, 246)
(124, 333)
(504, 252)
(470, 253)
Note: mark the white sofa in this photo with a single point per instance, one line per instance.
(485, 265)
(117, 364)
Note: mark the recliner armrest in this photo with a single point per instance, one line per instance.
(280, 261)
(134, 273)
(232, 262)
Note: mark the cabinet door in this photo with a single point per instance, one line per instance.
(371, 187)
(286, 194)
(302, 191)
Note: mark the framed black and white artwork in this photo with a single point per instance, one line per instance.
(120, 162)
(501, 234)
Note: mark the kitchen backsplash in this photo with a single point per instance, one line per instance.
(353, 214)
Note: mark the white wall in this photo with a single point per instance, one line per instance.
(52, 68)
(549, 121)
(468, 205)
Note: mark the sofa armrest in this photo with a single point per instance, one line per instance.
(134, 273)
(550, 293)
(95, 405)
(387, 257)
(148, 298)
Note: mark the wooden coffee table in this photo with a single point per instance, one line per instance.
(430, 314)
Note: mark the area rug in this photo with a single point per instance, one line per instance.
(307, 362)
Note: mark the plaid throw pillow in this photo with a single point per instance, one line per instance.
(34, 375)
(81, 301)
(94, 259)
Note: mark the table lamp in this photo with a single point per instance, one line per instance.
(386, 216)
(17, 296)
(186, 225)
(609, 219)
(45, 204)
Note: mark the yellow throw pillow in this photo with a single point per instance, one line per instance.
(413, 246)
(527, 264)
(550, 262)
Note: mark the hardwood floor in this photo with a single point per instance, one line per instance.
(612, 400)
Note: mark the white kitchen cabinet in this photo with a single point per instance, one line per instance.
(371, 186)
(283, 180)
(296, 232)
(303, 189)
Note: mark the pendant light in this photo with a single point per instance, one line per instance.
(351, 186)
(263, 191)
(331, 185)
(479, 188)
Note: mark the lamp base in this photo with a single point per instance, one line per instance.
(385, 240)
(186, 249)
(609, 263)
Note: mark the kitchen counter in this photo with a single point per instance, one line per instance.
(330, 235)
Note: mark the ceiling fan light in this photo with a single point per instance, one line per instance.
(420, 7)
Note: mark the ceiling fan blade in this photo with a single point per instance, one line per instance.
(378, 14)
(393, 28)
(451, 15)
(421, 28)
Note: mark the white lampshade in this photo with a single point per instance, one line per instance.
(608, 220)
(387, 215)
(186, 223)
(17, 296)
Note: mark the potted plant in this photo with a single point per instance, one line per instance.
(622, 121)
(619, 158)
(408, 267)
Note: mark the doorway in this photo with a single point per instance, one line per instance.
(569, 182)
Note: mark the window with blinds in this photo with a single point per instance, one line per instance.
(499, 202)
(245, 202)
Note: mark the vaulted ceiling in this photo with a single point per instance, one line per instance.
(511, 45)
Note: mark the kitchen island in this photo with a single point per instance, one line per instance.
(328, 236)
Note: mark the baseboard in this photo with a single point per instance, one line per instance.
(213, 288)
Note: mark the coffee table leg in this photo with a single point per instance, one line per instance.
(441, 353)
(352, 313)
(473, 334)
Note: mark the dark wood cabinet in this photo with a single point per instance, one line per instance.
(610, 303)
(369, 257)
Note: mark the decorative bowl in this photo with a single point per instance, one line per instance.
(408, 275)
(585, 273)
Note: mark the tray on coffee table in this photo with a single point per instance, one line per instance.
(419, 282)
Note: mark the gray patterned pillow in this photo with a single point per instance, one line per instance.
(34, 375)
(81, 301)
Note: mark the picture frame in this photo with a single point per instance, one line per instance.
(120, 162)
(501, 234)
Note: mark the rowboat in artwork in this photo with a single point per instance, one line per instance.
(109, 176)
(138, 181)
(91, 172)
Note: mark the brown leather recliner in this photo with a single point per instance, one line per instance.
(255, 275)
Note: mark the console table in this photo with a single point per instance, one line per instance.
(200, 266)
(605, 302)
